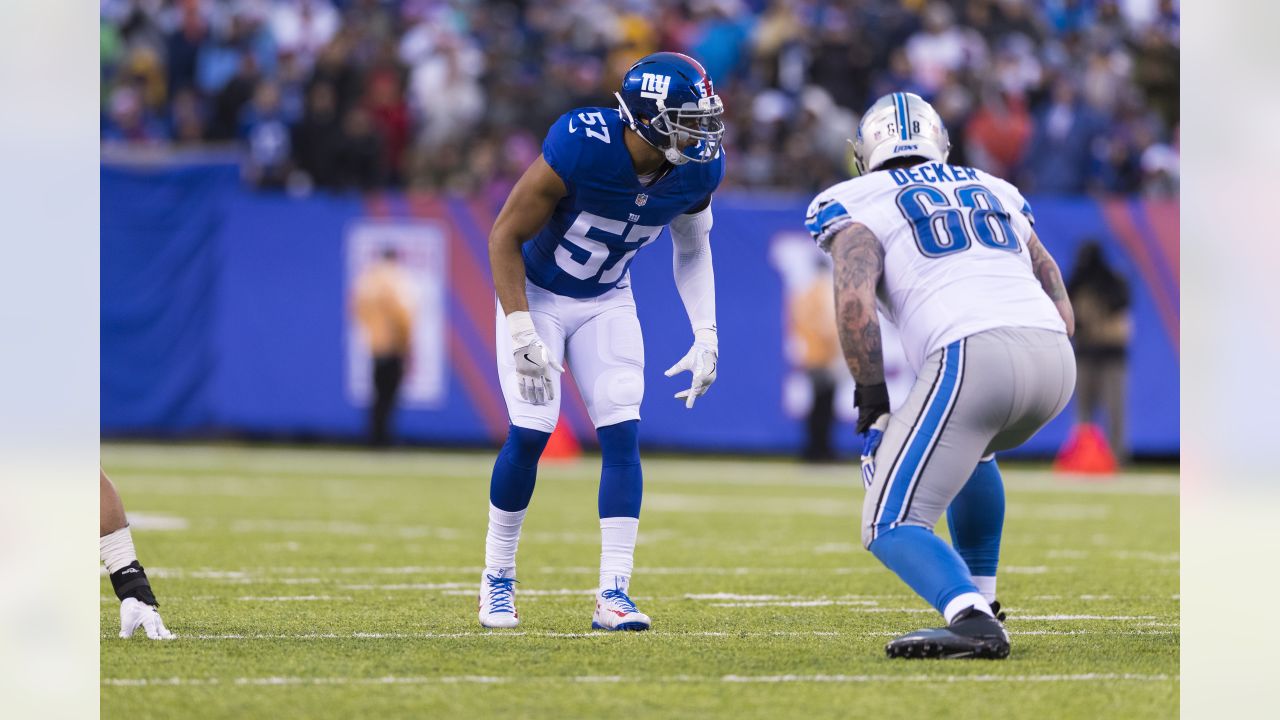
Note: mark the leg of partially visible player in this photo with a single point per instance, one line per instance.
(138, 605)
(516, 469)
(975, 519)
(607, 356)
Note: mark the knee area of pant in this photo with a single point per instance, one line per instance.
(525, 445)
(621, 387)
(620, 443)
(875, 542)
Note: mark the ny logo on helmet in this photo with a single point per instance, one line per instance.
(654, 86)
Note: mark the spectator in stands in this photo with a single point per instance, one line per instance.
(471, 74)
(230, 101)
(185, 44)
(382, 305)
(187, 119)
(264, 127)
(1104, 327)
(390, 113)
(1160, 169)
(128, 120)
(1060, 158)
(317, 137)
(943, 47)
(997, 133)
(360, 155)
(304, 27)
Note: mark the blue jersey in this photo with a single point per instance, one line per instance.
(586, 247)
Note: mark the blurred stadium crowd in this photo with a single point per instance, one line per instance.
(1062, 96)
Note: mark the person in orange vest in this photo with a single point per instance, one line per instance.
(811, 319)
(382, 305)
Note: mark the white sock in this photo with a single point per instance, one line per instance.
(617, 551)
(503, 538)
(963, 602)
(117, 549)
(987, 586)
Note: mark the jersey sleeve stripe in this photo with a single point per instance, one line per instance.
(829, 217)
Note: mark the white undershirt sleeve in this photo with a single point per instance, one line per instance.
(691, 264)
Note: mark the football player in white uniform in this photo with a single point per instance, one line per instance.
(951, 255)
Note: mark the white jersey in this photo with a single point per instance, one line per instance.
(955, 251)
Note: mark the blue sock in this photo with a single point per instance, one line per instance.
(976, 519)
(925, 562)
(516, 469)
(621, 483)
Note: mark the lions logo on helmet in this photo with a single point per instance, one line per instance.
(899, 125)
(667, 99)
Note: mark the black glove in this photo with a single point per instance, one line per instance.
(872, 401)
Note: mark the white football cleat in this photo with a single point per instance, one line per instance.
(134, 614)
(498, 600)
(615, 611)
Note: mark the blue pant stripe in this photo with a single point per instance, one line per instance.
(921, 442)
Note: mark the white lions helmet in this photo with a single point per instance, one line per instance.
(899, 125)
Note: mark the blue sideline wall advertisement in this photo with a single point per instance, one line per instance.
(226, 312)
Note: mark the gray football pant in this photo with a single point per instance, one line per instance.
(988, 392)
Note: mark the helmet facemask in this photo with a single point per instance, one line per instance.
(691, 132)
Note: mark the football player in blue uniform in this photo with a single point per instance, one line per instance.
(608, 181)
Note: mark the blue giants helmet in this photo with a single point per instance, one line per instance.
(667, 99)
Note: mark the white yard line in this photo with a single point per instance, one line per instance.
(294, 598)
(248, 465)
(670, 679)
(666, 635)
(267, 574)
(1085, 617)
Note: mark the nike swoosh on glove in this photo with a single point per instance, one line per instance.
(870, 444)
(533, 369)
(701, 360)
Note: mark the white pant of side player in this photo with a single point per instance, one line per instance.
(599, 341)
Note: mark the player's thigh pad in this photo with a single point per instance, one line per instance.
(935, 439)
(606, 357)
(545, 311)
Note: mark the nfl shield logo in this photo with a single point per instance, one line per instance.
(641, 199)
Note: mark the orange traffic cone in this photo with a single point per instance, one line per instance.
(563, 446)
(1086, 451)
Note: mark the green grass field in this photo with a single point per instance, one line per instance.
(336, 583)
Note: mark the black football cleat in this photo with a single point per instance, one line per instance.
(973, 634)
(995, 609)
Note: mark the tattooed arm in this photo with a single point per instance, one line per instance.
(1046, 271)
(859, 263)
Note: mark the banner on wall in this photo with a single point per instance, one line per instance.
(421, 250)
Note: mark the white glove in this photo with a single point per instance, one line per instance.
(135, 613)
(870, 444)
(533, 361)
(701, 360)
